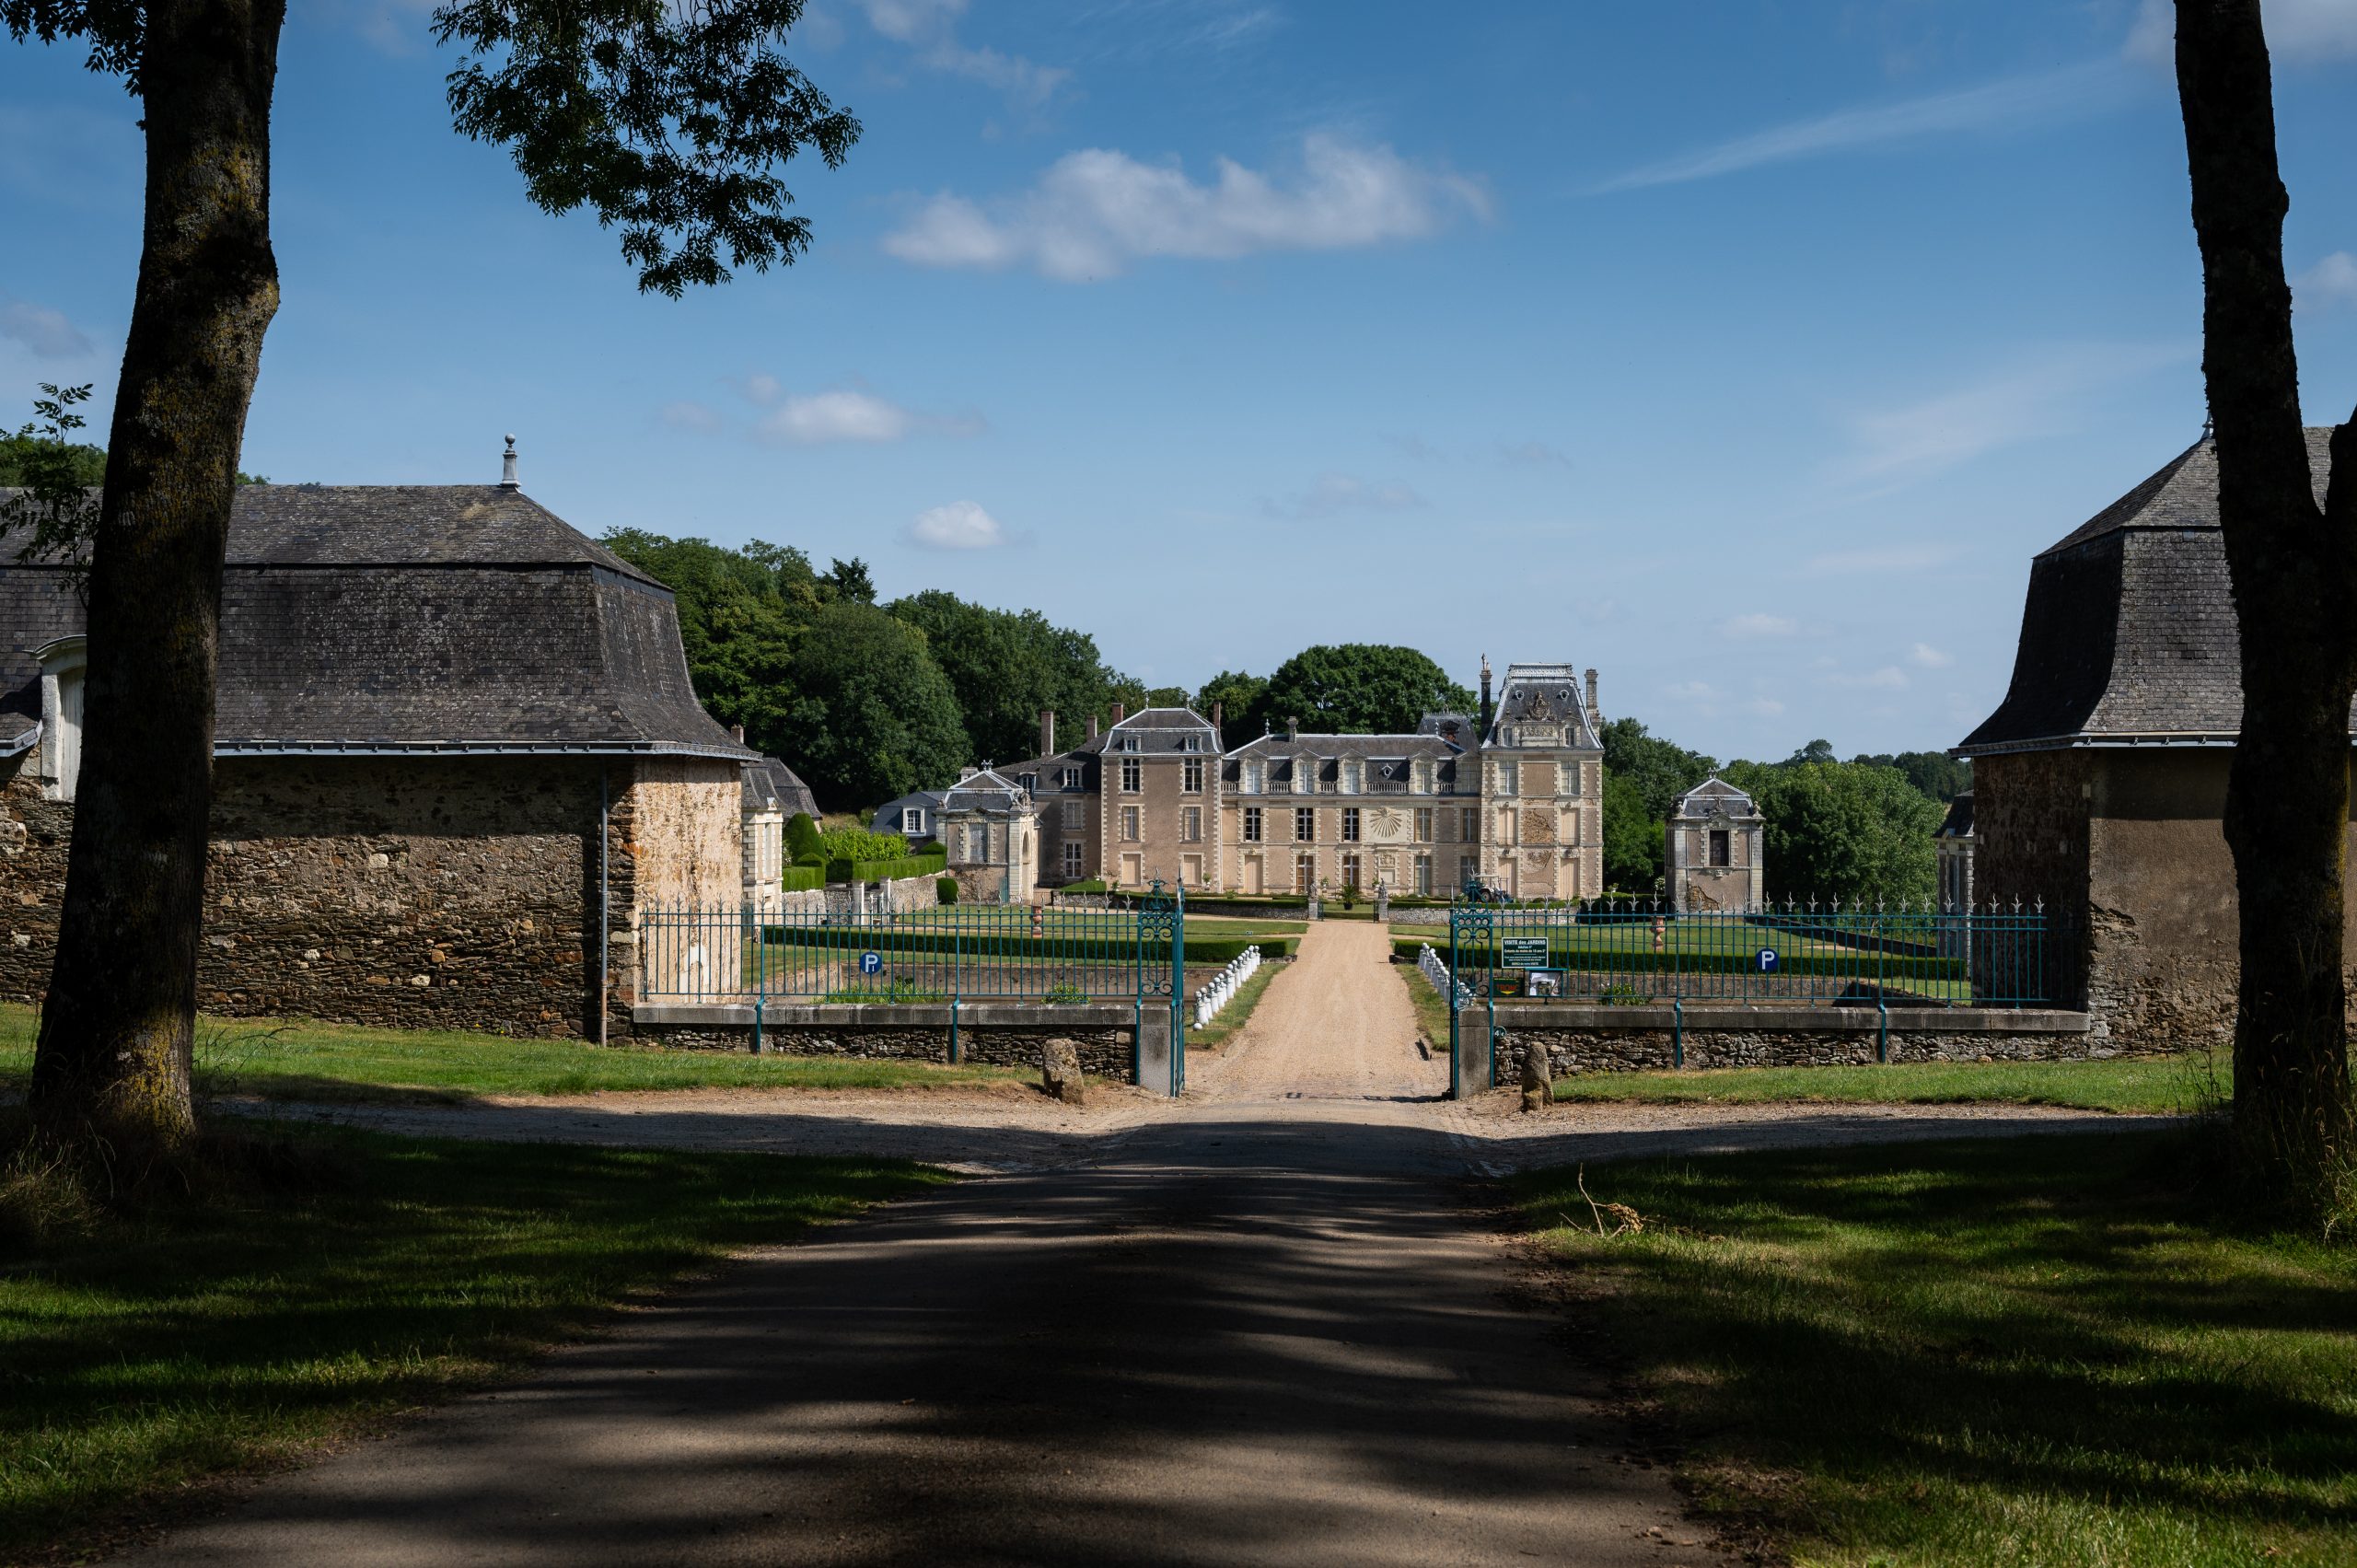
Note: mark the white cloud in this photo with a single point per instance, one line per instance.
(2037, 399)
(1766, 707)
(1930, 658)
(763, 388)
(689, 414)
(962, 525)
(826, 417)
(44, 332)
(2332, 280)
(1760, 625)
(1877, 558)
(1345, 493)
(2005, 105)
(1889, 678)
(1096, 211)
(929, 27)
(2298, 32)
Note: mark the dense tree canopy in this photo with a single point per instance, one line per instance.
(1007, 666)
(867, 714)
(1355, 688)
(1238, 697)
(1643, 776)
(1843, 830)
(1936, 774)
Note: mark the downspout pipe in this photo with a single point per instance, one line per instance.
(605, 913)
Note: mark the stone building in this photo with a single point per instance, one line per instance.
(2099, 783)
(1135, 803)
(992, 831)
(772, 794)
(1542, 783)
(457, 757)
(1714, 854)
(1953, 845)
(1301, 812)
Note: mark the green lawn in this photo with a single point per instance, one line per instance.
(1237, 1013)
(159, 1349)
(1432, 1009)
(2164, 1083)
(311, 1061)
(2050, 1350)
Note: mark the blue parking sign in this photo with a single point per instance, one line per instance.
(870, 963)
(1767, 961)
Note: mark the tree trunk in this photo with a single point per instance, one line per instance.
(2294, 566)
(113, 1064)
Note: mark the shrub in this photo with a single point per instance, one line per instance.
(859, 844)
(946, 891)
(802, 843)
(1064, 993)
(1094, 885)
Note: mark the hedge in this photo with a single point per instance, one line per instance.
(803, 878)
(1858, 964)
(853, 939)
(888, 870)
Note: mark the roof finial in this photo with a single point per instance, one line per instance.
(508, 466)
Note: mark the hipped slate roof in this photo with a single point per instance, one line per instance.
(1714, 797)
(984, 791)
(2129, 636)
(412, 617)
(770, 784)
(1543, 697)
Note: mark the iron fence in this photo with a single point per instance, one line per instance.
(1635, 952)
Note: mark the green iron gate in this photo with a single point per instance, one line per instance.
(1162, 928)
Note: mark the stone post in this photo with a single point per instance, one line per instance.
(1472, 1051)
(1382, 904)
(1153, 1049)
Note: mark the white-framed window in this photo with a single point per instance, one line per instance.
(1190, 776)
(1069, 779)
(1421, 776)
(1575, 777)
(1509, 777)
(1249, 777)
(1304, 824)
(1072, 860)
(1424, 876)
(1129, 824)
(1351, 870)
(1190, 743)
(62, 665)
(1424, 824)
(1305, 775)
(1074, 815)
(1353, 776)
(1191, 825)
(1251, 824)
(1132, 775)
(912, 819)
(1349, 824)
(1030, 783)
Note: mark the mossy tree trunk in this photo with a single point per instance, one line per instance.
(113, 1066)
(2294, 571)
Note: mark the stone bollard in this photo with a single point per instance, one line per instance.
(1538, 1089)
(1060, 1070)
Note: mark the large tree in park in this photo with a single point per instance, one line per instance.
(1356, 689)
(668, 122)
(868, 715)
(2293, 567)
(1005, 665)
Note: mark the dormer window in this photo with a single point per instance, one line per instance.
(1190, 743)
(1071, 778)
(62, 665)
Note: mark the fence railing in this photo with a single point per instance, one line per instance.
(1435, 969)
(1220, 989)
(963, 953)
(1622, 951)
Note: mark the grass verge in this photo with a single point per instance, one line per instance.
(2043, 1350)
(2165, 1085)
(1431, 1008)
(148, 1353)
(1238, 1012)
(338, 1061)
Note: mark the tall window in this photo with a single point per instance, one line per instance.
(1251, 824)
(1129, 824)
(1572, 773)
(1349, 824)
(1424, 876)
(1304, 824)
(1353, 776)
(1132, 774)
(1191, 824)
(1073, 814)
(1191, 775)
(1424, 824)
(1351, 870)
(1509, 779)
(1468, 824)
(1304, 873)
(1422, 778)
(1719, 855)
(1030, 783)
(1072, 859)
(1249, 777)
(1305, 775)
(1069, 779)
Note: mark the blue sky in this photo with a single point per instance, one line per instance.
(1746, 351)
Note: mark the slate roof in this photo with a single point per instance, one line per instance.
(770, 784)
(1542, 694)
(1957, 824)
(1712, 792)
(1389, 759)
(389, 619)
(985, 791)
(2129, 635)
(1157, 729)
(1466, 726)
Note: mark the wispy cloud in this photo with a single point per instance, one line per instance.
(689, 414)
(1345, 493)
(1744, 627)
(930, 29)
(2298, 32)
(842, 414)
(1886, 558)
(46, 333)
(1929, 657)
(2041, 396)
(1095, 211)
(2009, 104)
(2332, 280)
(962, 525)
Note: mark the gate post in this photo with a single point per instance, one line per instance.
(1471, 1055)
(1161, 992)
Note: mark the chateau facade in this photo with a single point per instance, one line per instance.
(1511, 797)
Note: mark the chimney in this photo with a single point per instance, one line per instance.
(1218, 716)
(1292, 727)
(1594, 713)
(1121, 712)
(1092, 726)
(508, 466)
(967, 772)
(737, 732)
(1485, 696)
(1046, 732)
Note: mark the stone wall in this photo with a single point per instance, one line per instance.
(1622, 1039)
(997, 1036)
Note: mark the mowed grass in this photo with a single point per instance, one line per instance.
(155, 1351)
(338, 1061)
(2050, 1351)
(2159, 1085)
(1238, 1011)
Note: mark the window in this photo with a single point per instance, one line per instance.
(1129, 824)
(1304, 873)
(1305, 775)
(1351, 870)
(1072, 859)
(1349, 824)
(1304, 824)
(1191, 775)
(1572, 773)
(1469, 870)
(1468, 824)
(1074, 815)
(912, 819)
(1421, 779)
(1190, 743)
(1251, 824)
(1719, 855)
(1249, 777)
(1030, 783)
(1424, 824)
(1069, 779)
(1424, 876)
(1353, 776)
(1191, 825)
(1509, 779)
(1131, 775)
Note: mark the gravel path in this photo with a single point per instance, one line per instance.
(1335, 1024)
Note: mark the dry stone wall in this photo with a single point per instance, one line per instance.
(1003, 1037)
(1647, 1040)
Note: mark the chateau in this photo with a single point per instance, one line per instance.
(1511, 797)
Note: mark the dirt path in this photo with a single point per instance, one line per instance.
(1335, 1024)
